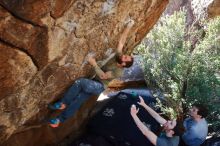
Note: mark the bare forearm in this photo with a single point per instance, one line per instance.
(98, 71)
(122, 40)
(155, 115)
(140, 125)
(149, 134)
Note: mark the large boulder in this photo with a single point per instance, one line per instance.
(196, 9)
(177, 5)
(43, 45)
(214, 9)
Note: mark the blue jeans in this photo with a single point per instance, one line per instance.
(77, 94)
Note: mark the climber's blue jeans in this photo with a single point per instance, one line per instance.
(77, 94)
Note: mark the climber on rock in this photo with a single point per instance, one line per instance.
(84, 88)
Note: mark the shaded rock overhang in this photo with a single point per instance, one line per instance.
(43, 44)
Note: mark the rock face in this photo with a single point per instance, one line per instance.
(43, 44)
(196, 9)
(177, 5)
(214, 9)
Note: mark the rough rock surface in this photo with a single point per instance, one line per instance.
(176, 5)
(43, 44)
(196, 9)
(214, 9)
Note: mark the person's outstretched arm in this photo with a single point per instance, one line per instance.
(102, 75)
(149, 134)
(154, 114)
(124, 36)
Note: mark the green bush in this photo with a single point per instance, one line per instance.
(184, 63)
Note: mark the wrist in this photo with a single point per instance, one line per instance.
(145, 106)
(93, 63)
(134, 115)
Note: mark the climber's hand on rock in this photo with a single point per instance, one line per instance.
(130, 23)
(91, 60)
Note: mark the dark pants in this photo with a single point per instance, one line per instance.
(77, 94)
(182, 143)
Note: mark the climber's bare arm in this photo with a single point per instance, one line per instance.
(102, 75)
(124, 36)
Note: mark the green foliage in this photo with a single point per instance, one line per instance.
(166, 110)
(203, 80)
(185, 72)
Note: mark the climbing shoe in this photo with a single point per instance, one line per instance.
(54, 123)
(57, 106)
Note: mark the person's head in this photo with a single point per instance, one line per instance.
(198, 111)
(170, 128)
(125, 60)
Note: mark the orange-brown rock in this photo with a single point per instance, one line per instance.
(28, 10)
(16, 70)
(60, 6)
(214, 9)
(43, 45)
(31, 39)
